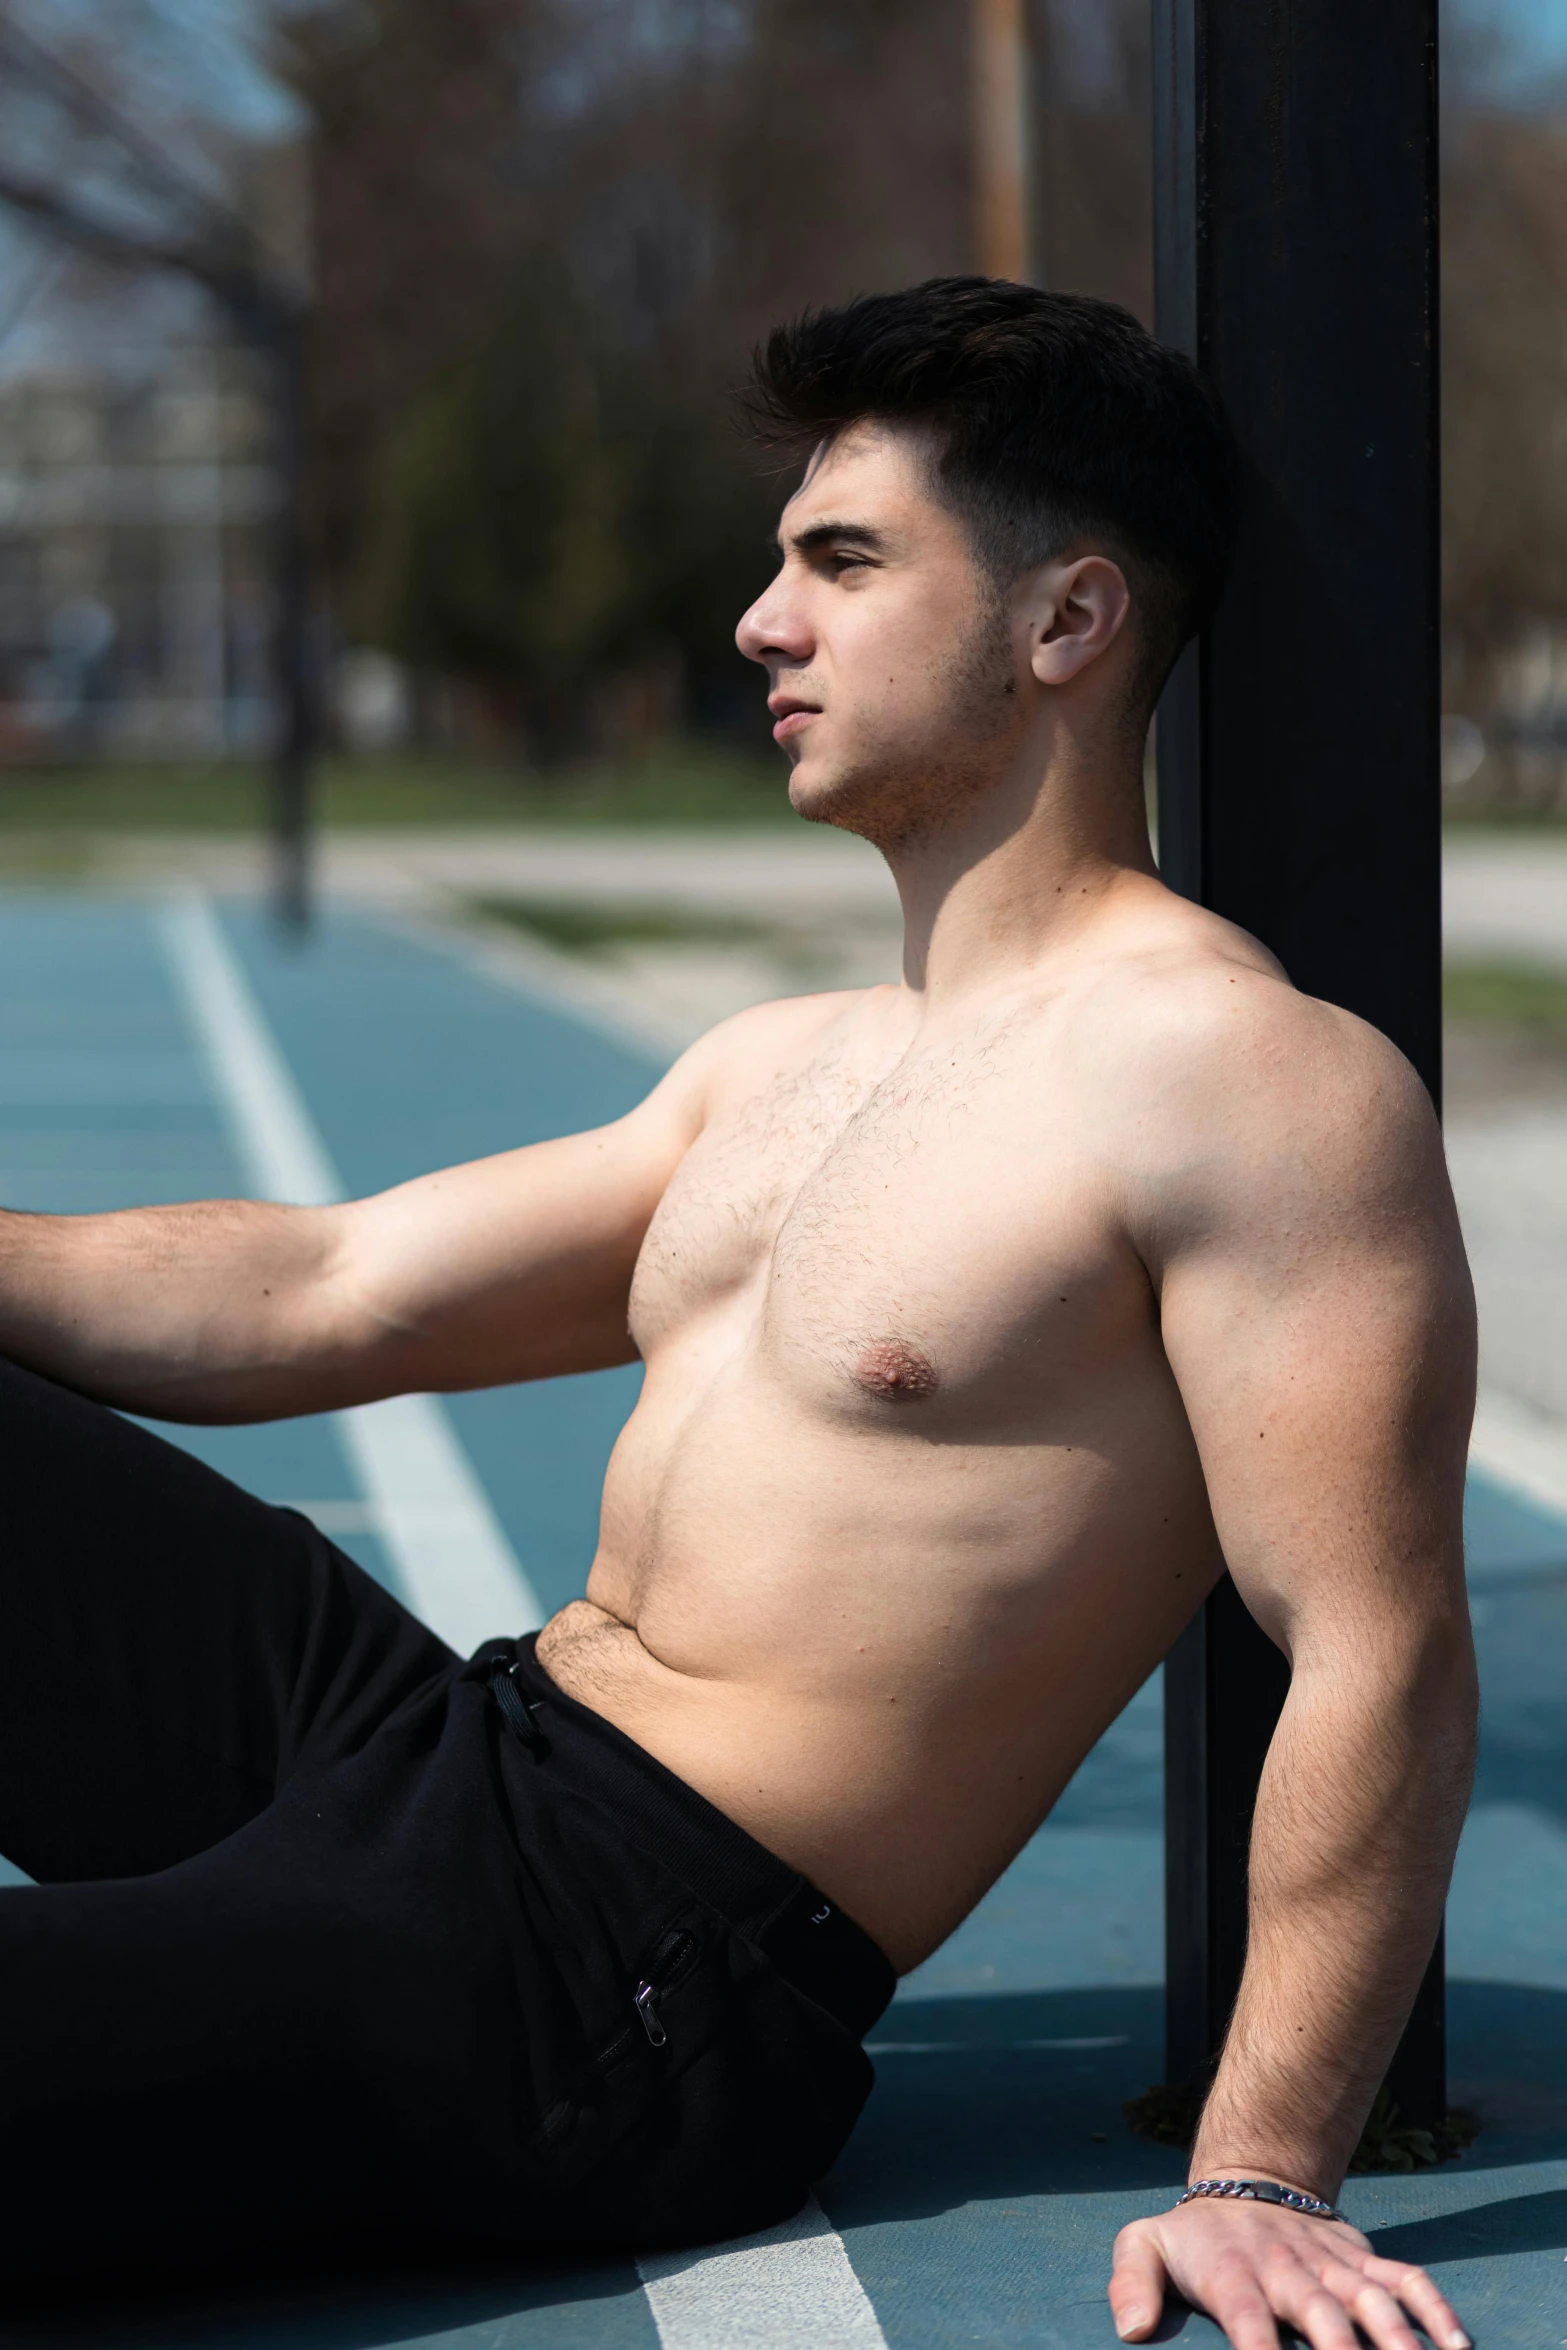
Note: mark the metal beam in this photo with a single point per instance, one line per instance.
(1295, 259)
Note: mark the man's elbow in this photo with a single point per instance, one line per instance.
(1414, 1691)
(1442, 1690)
(1459, 1676)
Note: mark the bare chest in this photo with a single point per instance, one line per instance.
(932, 1238)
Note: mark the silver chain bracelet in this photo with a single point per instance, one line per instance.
(1263, 2191)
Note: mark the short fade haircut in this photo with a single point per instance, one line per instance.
(1054, 418)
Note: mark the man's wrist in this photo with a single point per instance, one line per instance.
(1285, 2171)
(1269, 2191)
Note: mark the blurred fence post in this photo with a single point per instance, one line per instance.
(1298, 744)
(294, 667)
(1001, 116)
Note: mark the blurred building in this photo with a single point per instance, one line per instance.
(134, 511)
(138, 485)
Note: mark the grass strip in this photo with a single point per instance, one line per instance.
(677, 783)
(588, 925)
(1530, 997)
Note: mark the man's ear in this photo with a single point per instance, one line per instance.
(1078, 609)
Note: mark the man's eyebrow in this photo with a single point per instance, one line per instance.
(823, 534)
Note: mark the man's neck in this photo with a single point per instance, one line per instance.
(1018, 878)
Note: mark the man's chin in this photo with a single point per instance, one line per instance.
(878, 803)
(822, 798)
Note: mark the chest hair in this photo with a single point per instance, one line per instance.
(799, 1172)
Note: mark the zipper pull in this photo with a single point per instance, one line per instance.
(650, 2016)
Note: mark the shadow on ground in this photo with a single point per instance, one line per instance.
(1507, 2059)
(1001, 2097)
(1519, 2223)
(1521, 1636)
(1005, 2099)
(349, 2311)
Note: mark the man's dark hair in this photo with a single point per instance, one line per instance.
(1054, 418)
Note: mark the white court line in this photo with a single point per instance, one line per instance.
(1521, 1447)
(789, 2286)
(454, 1565)
(337, 1517)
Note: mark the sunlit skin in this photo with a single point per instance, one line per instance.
(981, 1314)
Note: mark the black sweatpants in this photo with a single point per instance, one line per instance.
(338, 1939)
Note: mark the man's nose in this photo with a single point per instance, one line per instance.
(775, 629)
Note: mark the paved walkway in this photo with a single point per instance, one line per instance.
(149, 1052)
(1505, 894)
(1505, 899)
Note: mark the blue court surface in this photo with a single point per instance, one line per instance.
(152, 1053)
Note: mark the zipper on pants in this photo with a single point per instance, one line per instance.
(669, 1962)
(517, 1711)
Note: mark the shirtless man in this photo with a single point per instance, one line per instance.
(981, 1314)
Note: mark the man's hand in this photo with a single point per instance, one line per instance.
(1253, 2265)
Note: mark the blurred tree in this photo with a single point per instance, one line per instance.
(845, 161)
(417, 107)
(495, 546)
(1504, 358)
(1093, 153)
(548, 232)
(546, 517)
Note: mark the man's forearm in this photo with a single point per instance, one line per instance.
(213, 1311)
(1357, 1820)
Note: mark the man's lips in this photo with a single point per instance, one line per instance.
(793, 718)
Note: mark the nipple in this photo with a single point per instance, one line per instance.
(894, 1368)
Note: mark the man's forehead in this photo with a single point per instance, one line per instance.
(874, 476)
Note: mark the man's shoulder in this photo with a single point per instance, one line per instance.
(1197, 1002)
(753, 1048)
(1209, 1059)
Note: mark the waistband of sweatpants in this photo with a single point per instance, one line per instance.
(808, 1938)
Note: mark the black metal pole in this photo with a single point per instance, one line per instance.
(1295, 258)
(293, 662)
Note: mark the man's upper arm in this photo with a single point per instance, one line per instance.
(517, 1266)
(1317, 1313)
(520, 1266)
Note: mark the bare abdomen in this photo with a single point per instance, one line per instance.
(882, 1657)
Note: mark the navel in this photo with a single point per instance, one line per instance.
(894, 1368)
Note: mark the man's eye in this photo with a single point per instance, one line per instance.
(842, 560)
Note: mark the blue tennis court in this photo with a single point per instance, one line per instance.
(156, 1053)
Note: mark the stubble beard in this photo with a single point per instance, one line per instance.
(900, 793)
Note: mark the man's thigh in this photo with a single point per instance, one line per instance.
(196, 2065)
(396, 2007)
(171, 1649)
(401, 2004)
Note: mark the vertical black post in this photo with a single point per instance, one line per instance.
(1295, 259)
(293, 665)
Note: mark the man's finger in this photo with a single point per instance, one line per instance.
(1371, 2305)
(1421, 2298)
(1310, 2306)
(1236, 2301)
(1137, 2283)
